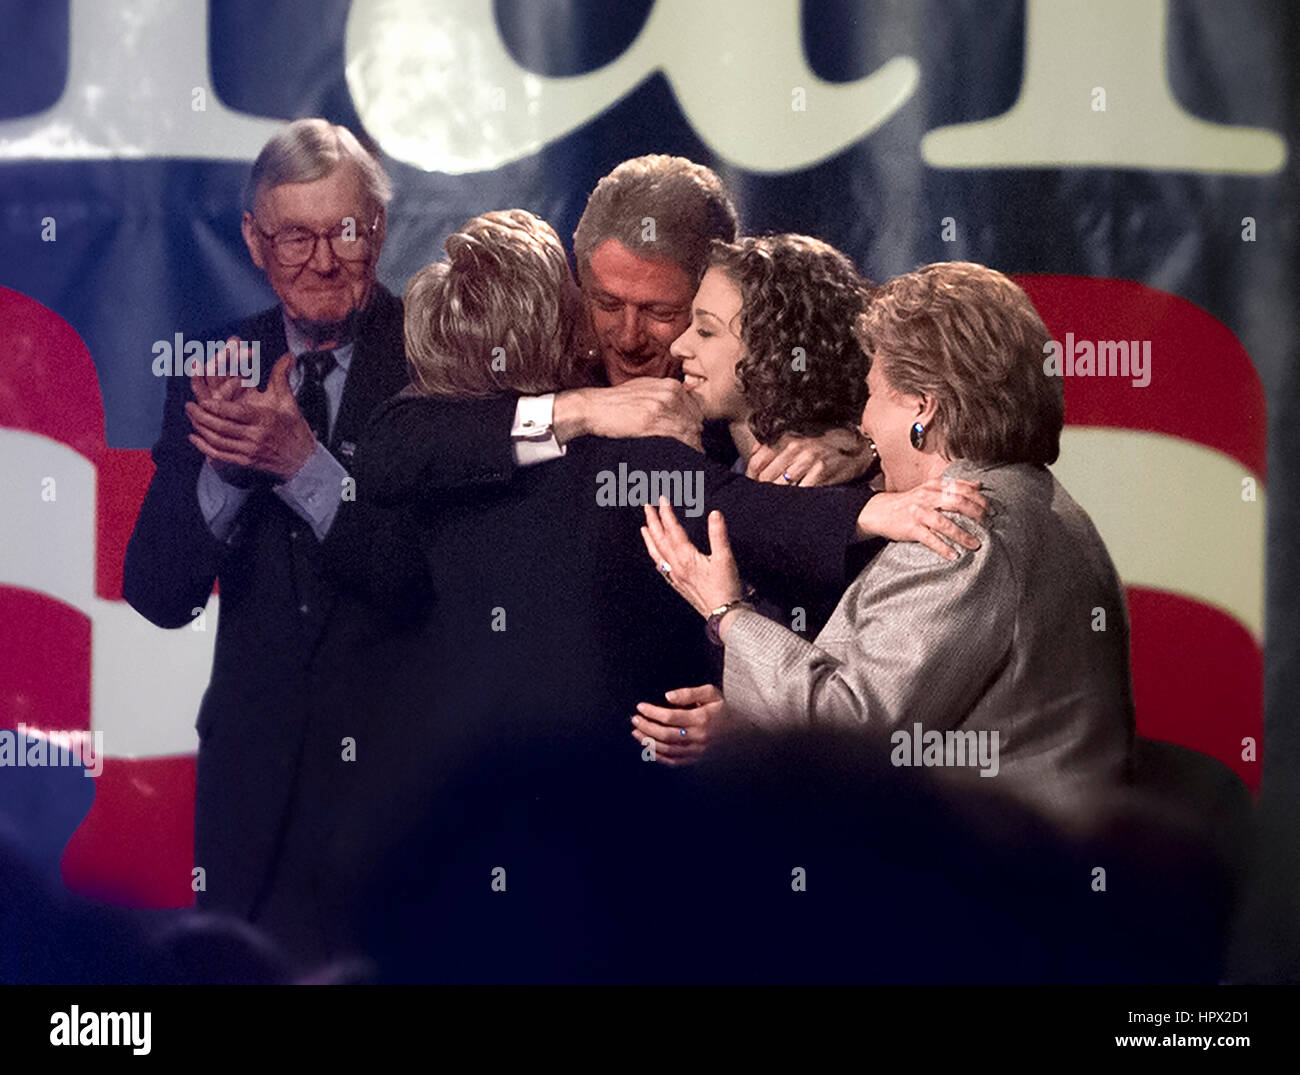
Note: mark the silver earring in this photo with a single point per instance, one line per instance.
(917, 435)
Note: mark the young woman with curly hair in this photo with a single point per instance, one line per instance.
(770, 347)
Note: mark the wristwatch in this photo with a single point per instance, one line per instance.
(714, 622)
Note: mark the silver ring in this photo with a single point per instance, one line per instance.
(786, 476)
(682, 730)
(664, 569)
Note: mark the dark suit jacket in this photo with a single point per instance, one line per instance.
(276, 602)
(548, 624)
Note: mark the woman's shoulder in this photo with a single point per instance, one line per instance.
(1021, 497)
(414, 444)
(1038, 524)
(1031, 505)
(992, 568)
(905, 565)
(411, 407)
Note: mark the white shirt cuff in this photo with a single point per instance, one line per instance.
(533, 435)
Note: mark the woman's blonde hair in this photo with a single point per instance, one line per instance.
(969, 338)
(499, 314)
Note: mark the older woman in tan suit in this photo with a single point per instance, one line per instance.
(1022, 642)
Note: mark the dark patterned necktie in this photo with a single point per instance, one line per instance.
(312, 401)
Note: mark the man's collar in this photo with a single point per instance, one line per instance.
(299, 343)
(341, 332)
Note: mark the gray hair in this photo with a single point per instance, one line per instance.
(310, 149)
(686, 202)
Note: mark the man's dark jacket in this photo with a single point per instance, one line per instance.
(276, 602)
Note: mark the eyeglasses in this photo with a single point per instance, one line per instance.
(297, 246)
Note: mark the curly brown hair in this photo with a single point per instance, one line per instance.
(803, 371)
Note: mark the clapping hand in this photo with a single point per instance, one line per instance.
(241, 427)
(211, 385)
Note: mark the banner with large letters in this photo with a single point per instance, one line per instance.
(1130, 162)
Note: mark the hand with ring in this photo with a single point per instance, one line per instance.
(706, 582)
(838, 455)
(683, 730)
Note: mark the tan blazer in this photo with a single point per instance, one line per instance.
(1026, 636)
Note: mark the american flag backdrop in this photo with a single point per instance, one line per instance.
(1161, 211)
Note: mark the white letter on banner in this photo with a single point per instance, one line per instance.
(422, 75)
(133, 66)
(1069, 50)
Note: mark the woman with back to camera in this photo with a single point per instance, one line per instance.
(996, 639)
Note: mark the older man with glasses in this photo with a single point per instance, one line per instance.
(248, 481)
